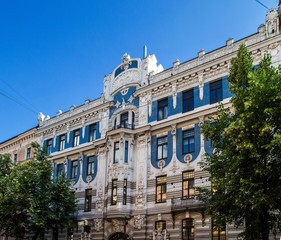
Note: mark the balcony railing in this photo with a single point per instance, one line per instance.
(123, 125)
(179, 204)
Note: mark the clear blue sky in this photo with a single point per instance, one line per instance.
(55, 53)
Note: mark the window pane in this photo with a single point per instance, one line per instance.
(165, 151)
(191, 145)
(165, 112)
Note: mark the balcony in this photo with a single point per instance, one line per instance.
(123, 125)
(184, 204)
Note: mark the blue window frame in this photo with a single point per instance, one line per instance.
(116, 152)
(188, 101)
(28, 153)
(162, 148)
(90, 165)
(59, 170)
(49, 146)
(76, 138)
(93, 132)
(74, 168)
(124, 120)
(126, 151)
(162, 110)
(62, 142)
(188, 145)
(215, 91)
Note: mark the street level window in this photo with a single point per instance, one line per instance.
(60, 170)
(162, 148)
(125, 191)
(160, 225)
(116, 152)
(76, 138)
(49, 146)
(62, 142)
(218, 233)
(28, 152)
(188, 185)
(126, 151)
(90, 165)
(162, 111)
(188, 229)
(114, 192)
(161, 188)
(88, 200)
(74, 168)
(216, 91)
(70, 234)
(188, 145)
(188, 101)
(93, 132)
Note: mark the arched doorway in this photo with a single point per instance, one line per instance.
(119, 236)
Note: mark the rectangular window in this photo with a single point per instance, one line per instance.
(125, 192)
(188, 101)
(162, 148)
(93, 132)
(161, 186)
(49, 146)
(76, 138)
(74, 168)
(162, 110)
(218, 233)
(160, 225)
(188, 229)
(126, 151)
(88, 200)
(90, 165)
(62, 142)
(28, 152)
(188, 141)
(15, 158)
(216, 91)
(124, 120)
(114, 192)
(60, 170)
(116, 152)
(188, 185)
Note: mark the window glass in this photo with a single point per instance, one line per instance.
(60, 170)
(114, 192)
(93, 131)
(88, 200)
(188, 229)
(116, 152)
(74, 167)
(188, 184)
(49, 145)
(28, 152)
(162, 109)
(126, 151)
(160, 225)
(216, 91)
(162, 148)
(188, 141)
(76, 138)
(161, 184)
(62, 142)
(90, 165)
(125, 192)
(188, 101)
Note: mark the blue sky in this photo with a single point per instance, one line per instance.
(55, 53)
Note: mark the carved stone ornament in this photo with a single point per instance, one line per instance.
(124, 91)
(272, 23)
(139, 221)
(187, 158)
(98, 224)
(89, 179)
(140, 197)
(117, 225)
(160, 234)
(161, 164)
(99, 204)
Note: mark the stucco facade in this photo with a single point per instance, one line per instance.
(133, 155)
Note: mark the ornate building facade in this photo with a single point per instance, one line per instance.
(133, 155)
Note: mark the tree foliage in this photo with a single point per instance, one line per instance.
(31, 200)
(245, 167)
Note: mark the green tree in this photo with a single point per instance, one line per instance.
(32, 200)
(245, 167)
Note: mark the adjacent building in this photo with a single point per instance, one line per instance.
(133, 155)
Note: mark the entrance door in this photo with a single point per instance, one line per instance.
(119, 236)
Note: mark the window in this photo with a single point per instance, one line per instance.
(188, 101)
(90, 165)
(62, 142)
(162, 148)
(126, 152)
(116, 152)
(49, 146)
(28, 151)
(125, 192)
(188, 229)
(114, 192)
(188, 185)
(74, 168)
(55, 234)
(188, 141)
(76, 138)
(161, 183)
(218, 233)
(160, 225)
(162, 109)
(59, 170)
(15, 158)
(70, 235)
(215, 91)
(88, 200)
(93, 132)
(124, 119)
